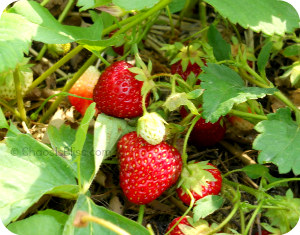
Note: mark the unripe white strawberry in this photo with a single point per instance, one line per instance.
(7, 84)
(151, 128)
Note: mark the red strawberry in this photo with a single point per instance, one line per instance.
(118, 93)
(146, 170)
(205, 180)
(187, 227)
(205, 134)
(263, 232)
(84, 87)
(195, 68)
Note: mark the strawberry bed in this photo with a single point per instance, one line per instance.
(149, 117)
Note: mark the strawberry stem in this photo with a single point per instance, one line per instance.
(171, 21)
(103, 60)
(251, 221)
(279, 182)
(19, 96)
(11, 109)
(141, 214)
(195, 34)
(247, 115)
(227, 219)
(202, 9)
(52, 69)
(104, 223)
(187, 211)
(184, 155)
(35, 114)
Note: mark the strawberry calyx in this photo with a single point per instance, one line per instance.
(188, 54)
(200, 227)
(195, 175)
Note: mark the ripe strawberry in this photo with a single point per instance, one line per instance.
(84, 87)
(146, 170)
(195, 68)
(187, 227)
(118, 93)
(205, 180)
(205, 134)
(7, 84)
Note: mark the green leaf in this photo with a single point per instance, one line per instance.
(135, 4)
(37, 225)
(279, 141)
(97, 46)
(206, 206)
(176, 5)
(263, 56)
(3, 122)
(221, 48)
(31, 170)
(86, 204)
(194, 94)
(292, 50)
(15, 40)
(48, 30)
(288, 219)
(108, 130)
(256, 171)
(223, 88)
(60, 217)
(85, 4)
(280, 18)
(62, 141)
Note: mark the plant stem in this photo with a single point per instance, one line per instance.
(182, 13)
(279, 182)
(60, 19)
(141, 214)
(171, 21)
(187, 211)
(67, 87)
(104, 223)
(202, 8)
(41, 53)
(195, 34)
(19, 97)
(34, 115)
(162, 4)
(43, 3)
(252, 191)
(184, 155)
(103, 60)
(52, 69)
(228, 218)
(11, 109)
(247, 115)
(253, 217)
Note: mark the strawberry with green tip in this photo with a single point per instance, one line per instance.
(118, 93)
(84, 87)
(201, 179)
(146, 170)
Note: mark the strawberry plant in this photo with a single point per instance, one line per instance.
(193, 128)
